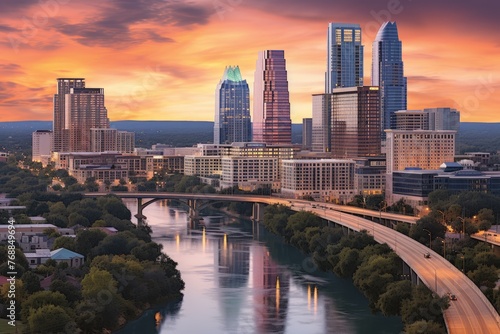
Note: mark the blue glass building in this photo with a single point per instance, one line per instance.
(232, 108)
(388, 73)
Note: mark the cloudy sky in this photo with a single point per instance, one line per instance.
(161, 59)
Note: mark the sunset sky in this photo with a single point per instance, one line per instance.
(161, 60)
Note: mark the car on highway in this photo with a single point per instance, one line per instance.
(427, 255)
(452, 296)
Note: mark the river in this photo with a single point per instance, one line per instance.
(242, 279)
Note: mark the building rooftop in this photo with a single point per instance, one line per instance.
(64, 254)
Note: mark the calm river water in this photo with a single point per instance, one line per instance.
(242, 279)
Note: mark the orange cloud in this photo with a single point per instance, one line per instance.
(163, 60)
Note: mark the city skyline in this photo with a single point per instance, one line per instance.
(149, 56)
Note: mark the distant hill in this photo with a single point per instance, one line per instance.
(16, 136)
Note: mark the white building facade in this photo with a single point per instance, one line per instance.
(329, 180)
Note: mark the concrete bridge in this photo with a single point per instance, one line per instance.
(470, 313)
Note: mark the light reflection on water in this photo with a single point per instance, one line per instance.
(241, 279)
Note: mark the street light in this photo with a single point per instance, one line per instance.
(444, 247)
(462, 256)
(443, 220)
(463, 226)
(430, 237)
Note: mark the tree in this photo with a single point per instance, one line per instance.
(423, 326)
(31, 282)
(91, 184)
(348, 262)
(391, 300)
(88, 239)
(419, 233)
(484, 276)
(72, 293)
(484, 219)
(41, 298)
(77, 219)
(64, 242)
(423, 305)
(50, 319)
(100, 288)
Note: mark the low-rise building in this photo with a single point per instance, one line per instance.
(250, 173)
(30, 237)
(329, 180)
(74, 260)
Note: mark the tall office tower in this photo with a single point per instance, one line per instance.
(306, 133)
(232, 108)
(345, 56)
(321, 122)
(60, 132)
(42, 146)
(355, 122)
(84, 110)
(271, 108)
(388, 73)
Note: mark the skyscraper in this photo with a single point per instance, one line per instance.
(84, 110)
(388, 73)
(271, 108)
(344, 56)
(60, 132)
(232, 108)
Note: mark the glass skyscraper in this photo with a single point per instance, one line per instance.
(271, 109)
(345, 56)
(232, 108)
(388, 73)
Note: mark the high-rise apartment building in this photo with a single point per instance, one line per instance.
(60, 131)
(232, 108)
(84, 110)
(271, 108)
(355, 122)
(344, 56)
(388, 73)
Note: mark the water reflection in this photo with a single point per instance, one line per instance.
(241, 279)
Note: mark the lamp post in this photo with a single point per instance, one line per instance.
(444, 247)
(443, 220)
(463, 226)
(430, 237)
(462, 256)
